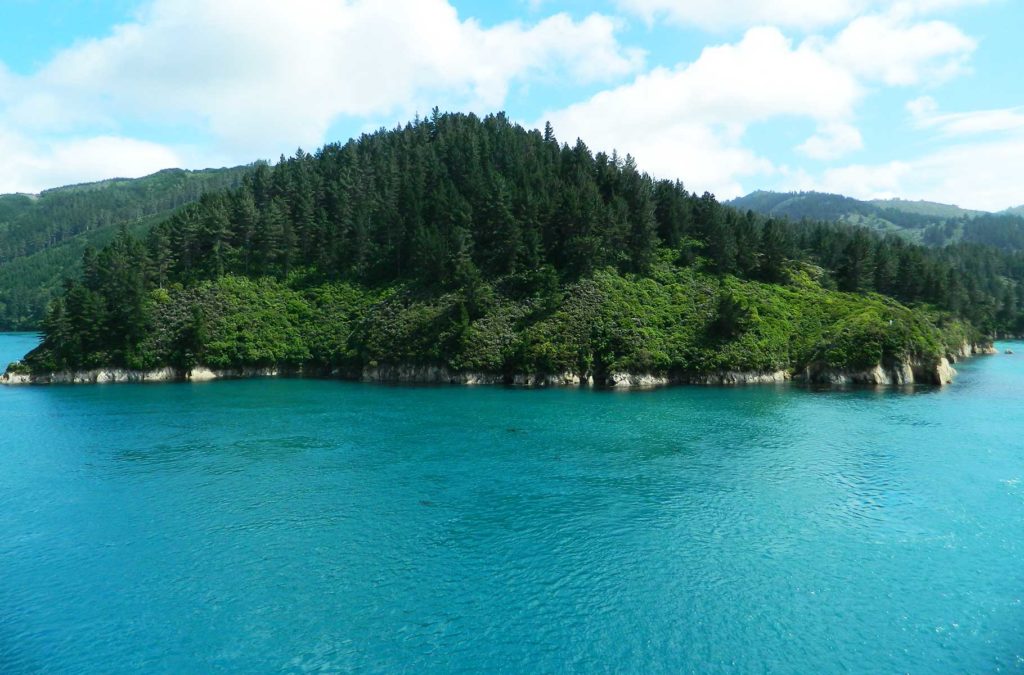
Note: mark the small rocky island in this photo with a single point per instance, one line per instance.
(468, 250)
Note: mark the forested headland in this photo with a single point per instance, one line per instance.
(475, 245)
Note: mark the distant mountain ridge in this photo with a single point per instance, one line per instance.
(926, 208)
(929, 223)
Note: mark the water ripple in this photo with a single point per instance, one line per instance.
(313, 526)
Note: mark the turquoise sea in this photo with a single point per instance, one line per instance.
(317, 525)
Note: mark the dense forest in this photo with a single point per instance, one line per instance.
(43, 237)
(478, 245)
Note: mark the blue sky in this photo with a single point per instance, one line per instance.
(872, 98)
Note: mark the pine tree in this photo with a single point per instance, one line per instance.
(721, 243)
(856, 271)
(747, 244)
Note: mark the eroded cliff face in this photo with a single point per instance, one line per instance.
(901, 372)
(612, 380)
(94, 376)
(113, 375)
(905, 371)
(621, 380)
(415, 374)
(728, 377)
(968, 349)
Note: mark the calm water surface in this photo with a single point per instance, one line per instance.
(306, 525)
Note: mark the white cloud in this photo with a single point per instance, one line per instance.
(925, 113)
(689, 121)
(981, 175)
(833, 140)
(877, 181)
(261, 77)
(889, 50)
(30, 167)
(800, 14)
(921, 107)
(253, 70)
(258, 77)
(724, 14)
(981, 169)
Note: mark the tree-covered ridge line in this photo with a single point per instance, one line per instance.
(928, 223)
(43, 237)
(456, 237)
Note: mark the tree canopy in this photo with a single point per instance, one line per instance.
(483, 211)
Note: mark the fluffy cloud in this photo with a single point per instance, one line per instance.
(800, 14)
(833, 140)
(252, 78)
(28, 166)
(887, 49)
(980, 169)
(259, 77)
(286, 70)
(690, 121)
(980, 175)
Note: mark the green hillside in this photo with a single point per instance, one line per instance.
(928, 223)
(925, 208)
(42, 237)
(475, 245)
(822, 206)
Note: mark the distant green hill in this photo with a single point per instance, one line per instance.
(42, 237)
(928, 223)
(835, 208)
(924, 208)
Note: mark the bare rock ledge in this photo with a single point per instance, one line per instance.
(938, 372)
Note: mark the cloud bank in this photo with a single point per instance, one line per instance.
(253, 78)
(777, 96)
(691, 120)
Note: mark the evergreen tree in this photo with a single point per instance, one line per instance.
(856, 271)
(721, 242)
(775, 249)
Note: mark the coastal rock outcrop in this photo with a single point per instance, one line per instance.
(93, 376)
(899, 373)
(624, 380)
(204, 374)
(612, 380)
(566, 379)
(113, 375)
(968, 349)
(738, 377)
(416, 374)
(905, 371)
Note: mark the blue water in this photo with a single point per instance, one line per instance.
(305, 525)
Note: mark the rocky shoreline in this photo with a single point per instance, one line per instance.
(898, 373)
